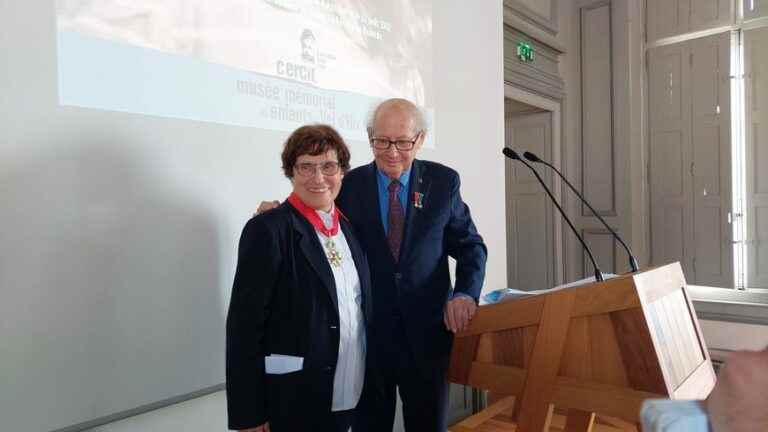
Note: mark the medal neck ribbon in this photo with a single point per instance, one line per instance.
(310, 215)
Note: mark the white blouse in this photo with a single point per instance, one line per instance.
(350, 365)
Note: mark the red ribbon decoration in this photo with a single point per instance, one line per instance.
(310, 214)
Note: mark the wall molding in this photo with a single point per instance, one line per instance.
(142, 409)
(612, 211)
(541, 77)
(548, 24)
(730, 305)
(514, 19)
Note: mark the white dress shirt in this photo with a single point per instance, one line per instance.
(664, 415)
(350, 365)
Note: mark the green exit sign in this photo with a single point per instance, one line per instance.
(525, 52)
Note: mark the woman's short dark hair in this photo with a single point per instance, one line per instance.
(314, 140)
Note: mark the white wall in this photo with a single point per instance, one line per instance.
(470, 116)
(734, 336)
(469, 119)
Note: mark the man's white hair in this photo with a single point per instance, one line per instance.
(419, 119)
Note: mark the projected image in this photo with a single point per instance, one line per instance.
(272, 64)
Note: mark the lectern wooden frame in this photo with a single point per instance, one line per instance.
(600, 348)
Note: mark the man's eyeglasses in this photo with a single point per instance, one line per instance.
(400, 144)
(308, 169)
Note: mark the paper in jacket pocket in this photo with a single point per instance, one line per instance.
(282, 364)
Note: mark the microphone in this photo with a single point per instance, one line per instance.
(632, 261)
(508, 152)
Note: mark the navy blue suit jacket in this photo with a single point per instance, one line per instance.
(416, 288)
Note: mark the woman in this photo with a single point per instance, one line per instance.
(296, 326)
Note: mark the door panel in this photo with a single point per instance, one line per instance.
(530, 242)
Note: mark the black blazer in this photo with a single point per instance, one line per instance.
(284, 302)
(416, 288)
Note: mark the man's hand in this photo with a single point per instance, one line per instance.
(266, 205)
(262, 428)
(740, 397)
(458, 311)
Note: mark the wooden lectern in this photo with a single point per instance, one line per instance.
(596, 349)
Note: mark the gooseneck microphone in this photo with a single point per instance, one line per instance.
(632, 261)
(508, 152)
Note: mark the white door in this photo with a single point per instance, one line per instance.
(530, 243)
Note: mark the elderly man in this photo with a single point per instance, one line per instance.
(409, 217)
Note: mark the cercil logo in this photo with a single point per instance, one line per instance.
(296, 71)
(304, 71)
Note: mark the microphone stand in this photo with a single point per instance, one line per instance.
(508, 152)
(632, 261)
